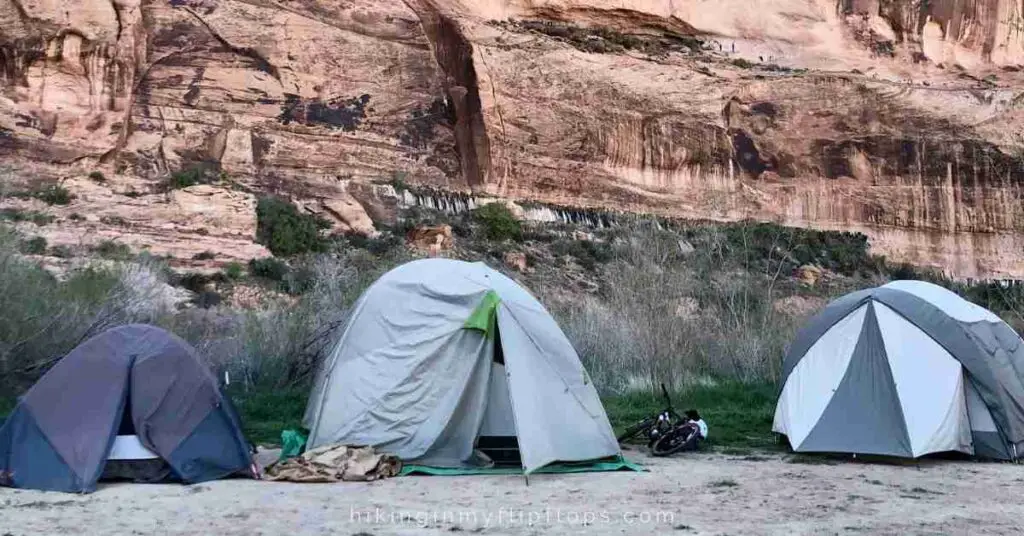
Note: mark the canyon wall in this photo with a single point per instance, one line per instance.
(902, 119)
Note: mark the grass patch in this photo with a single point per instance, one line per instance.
(738, 415)
(723, 483)
(265, 413)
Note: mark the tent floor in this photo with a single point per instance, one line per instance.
(619, 464)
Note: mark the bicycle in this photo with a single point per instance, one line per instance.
(657, 426)
(682, 437)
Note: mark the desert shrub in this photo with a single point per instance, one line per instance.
(742, 63)
(193, 281)
(285, 231)
(378, 245)
(498, 222)
(34, 246)
(42, 317)
(204, 256)
(234, 271)
(54, 194)
(207, 299)
(269, 268)
(674, 315)
(17, 215)
(61, 251)
(114, 220)
(97, 176)
(588, 253)
(281, 345)
(112, 250)
(190, 176)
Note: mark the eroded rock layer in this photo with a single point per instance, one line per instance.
(898, 118)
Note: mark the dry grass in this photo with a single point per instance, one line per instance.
(675, 316)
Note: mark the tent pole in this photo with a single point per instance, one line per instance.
(526, 477)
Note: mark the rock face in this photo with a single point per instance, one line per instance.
(898, 118)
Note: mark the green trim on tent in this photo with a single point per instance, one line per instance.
(607, 465)
(485, 317)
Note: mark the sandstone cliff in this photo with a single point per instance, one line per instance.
(899, 118)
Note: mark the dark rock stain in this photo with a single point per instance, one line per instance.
(340, 113)
(419, 129)
(749, 157)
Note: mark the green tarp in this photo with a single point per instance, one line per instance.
(293, 443)
(619, 464)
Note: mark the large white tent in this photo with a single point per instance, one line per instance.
(438, 354)
(905, 369)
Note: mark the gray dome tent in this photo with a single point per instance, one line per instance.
(905, 369)
(63, 430)
(441, 354)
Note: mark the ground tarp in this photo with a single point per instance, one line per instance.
(336, 463)
(615, 464)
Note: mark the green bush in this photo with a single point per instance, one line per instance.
(379, 245)
(114, 220)
(498, 222)
(18, 215)
(269, 268)
(55, 194)
(234, 271)
(742, 63)
(112, 250)
(285, 231)
(184, 178)
(34, 246)
(588, 253)
(62, 252)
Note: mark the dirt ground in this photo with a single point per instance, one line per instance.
(689, 494)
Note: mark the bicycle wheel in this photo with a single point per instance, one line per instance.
(682, 438)
(639, 428)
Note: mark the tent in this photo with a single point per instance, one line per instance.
(905, 369)
(131, 392)
(441, 358)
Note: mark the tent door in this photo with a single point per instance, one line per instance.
(497, 438)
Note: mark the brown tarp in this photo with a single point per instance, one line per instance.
(335, 463)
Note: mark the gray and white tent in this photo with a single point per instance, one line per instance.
(439, 354)
(905, 369)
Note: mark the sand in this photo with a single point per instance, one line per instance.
(706, 493)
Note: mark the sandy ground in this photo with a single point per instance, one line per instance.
(689, 494)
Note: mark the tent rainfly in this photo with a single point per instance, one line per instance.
(130, 390)
(905, 369)
(440, 355)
